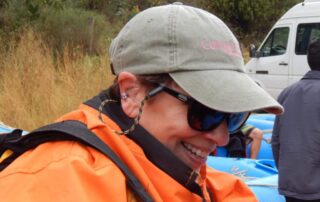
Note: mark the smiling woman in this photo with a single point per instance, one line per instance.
(171, 104)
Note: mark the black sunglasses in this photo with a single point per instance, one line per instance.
(202, 118)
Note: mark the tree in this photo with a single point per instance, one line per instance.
(246, 17)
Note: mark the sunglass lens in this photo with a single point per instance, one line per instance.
(203, 118)
(236, 120)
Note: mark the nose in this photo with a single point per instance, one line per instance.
(219, 135)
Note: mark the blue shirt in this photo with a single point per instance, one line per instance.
(296, 139)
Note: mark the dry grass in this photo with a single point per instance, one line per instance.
(245, 53)
(35, 88)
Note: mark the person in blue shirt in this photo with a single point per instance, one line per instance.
(296, 135)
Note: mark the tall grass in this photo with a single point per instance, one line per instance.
(36, 87)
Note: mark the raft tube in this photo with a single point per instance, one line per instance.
(4, 128)
(243, 167)
(266, 189)
(260, 175)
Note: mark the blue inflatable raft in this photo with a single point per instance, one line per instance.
(260, 175)
(266, 189)
(243, 167)
(4, 128)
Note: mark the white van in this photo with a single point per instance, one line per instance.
(281, 59)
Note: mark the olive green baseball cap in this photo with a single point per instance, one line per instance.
(197, 50)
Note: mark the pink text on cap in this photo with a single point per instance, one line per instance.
(228, 48)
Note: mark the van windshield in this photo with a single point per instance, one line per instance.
(306, 34)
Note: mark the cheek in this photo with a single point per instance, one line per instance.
(178, 121)
(168, 124)
(177, 130)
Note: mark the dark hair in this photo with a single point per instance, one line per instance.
(313, 55)
(147, 80)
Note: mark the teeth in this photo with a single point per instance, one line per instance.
(195, 150)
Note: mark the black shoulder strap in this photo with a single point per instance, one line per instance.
(69, 130)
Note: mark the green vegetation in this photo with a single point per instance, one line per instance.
(251, 20)
(88, 23)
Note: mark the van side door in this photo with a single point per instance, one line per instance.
(271, 66)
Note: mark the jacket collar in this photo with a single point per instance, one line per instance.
(312, 74)
(161, 157)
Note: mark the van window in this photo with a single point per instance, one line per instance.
(306, 34)
(276, 43)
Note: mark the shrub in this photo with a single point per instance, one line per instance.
(60, 22)
(14, 15)
(252, 19)
(74, 27)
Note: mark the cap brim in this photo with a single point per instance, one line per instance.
(226, 90)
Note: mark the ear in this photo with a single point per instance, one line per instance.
(134, 91)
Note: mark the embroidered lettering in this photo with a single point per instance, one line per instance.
(228, 48)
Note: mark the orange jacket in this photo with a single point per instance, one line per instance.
(69, 171)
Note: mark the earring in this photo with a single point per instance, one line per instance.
(124, 96)
(136, 120)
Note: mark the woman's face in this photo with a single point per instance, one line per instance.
(165, 117)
